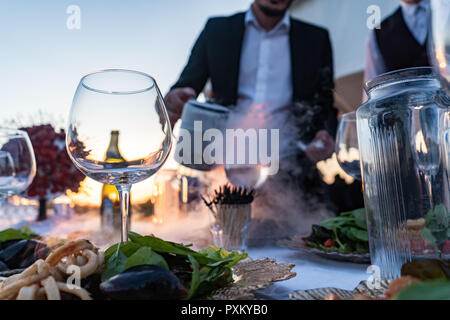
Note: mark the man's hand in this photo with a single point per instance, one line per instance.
(321, 148)
(175, 100)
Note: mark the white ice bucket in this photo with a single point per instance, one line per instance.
(197, 117)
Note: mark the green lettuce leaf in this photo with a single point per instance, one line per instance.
(426, 290)
(114, 265)
(16, 234)
(145, 255)
(195, 281)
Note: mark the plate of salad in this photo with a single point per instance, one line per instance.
(342, 238)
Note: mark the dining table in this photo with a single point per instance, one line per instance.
(312, 271)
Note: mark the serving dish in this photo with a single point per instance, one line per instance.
(298, 243)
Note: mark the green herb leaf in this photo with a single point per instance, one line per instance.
(145, 255)
(13, 234)
(160, 245)
(337, 222)
(128, 248)
(360, 218)
(195, 281)
(221, 256)
(359, 234)
(115, 265)
(437, 221)
(211, 266)
(427, 290)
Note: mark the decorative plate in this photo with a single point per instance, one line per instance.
(251, 275)
(321, 293)
(298, 243)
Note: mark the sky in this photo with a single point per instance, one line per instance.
(42, 61)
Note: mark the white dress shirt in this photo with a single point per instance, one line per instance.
(265, 75)
(416, 19)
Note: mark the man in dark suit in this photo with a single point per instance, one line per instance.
(263, 56)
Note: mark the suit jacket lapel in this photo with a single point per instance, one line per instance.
(298, 58)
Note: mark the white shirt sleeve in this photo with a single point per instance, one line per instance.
(374, 60)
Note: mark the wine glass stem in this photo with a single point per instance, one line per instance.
(429, 182)
(124, 196)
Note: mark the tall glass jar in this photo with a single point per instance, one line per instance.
(404, 174)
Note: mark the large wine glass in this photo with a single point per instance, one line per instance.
(439, 40)
(128, 104)
(17, 162)
(347, 149)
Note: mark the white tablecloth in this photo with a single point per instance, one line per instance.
(312, 272)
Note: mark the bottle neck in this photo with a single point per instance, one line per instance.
(113, 150)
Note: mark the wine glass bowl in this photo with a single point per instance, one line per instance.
(426, 144)
(425, 127)
(347, 149)
(17, 162)
(246, 175)
(129, 104)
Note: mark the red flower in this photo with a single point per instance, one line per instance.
(55, 171)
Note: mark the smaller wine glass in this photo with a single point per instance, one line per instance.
(446, 142)
(17, 162)
(347, 149)
(425, 144)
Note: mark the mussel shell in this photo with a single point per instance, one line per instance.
(23, 253)
(5, 244)
(145, 282)
(92, 285)
(11, 255)
(3, 267)
(9, 273)
(39, 252)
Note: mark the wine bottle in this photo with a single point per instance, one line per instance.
(110, 206)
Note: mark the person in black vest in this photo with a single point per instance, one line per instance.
(401, 41)
(263, 56)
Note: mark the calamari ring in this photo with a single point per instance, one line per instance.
(66, 250)
(51, 289)
(31, 270)
(91, 265)
(28, 293)
(14, 287)
(101, 259)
